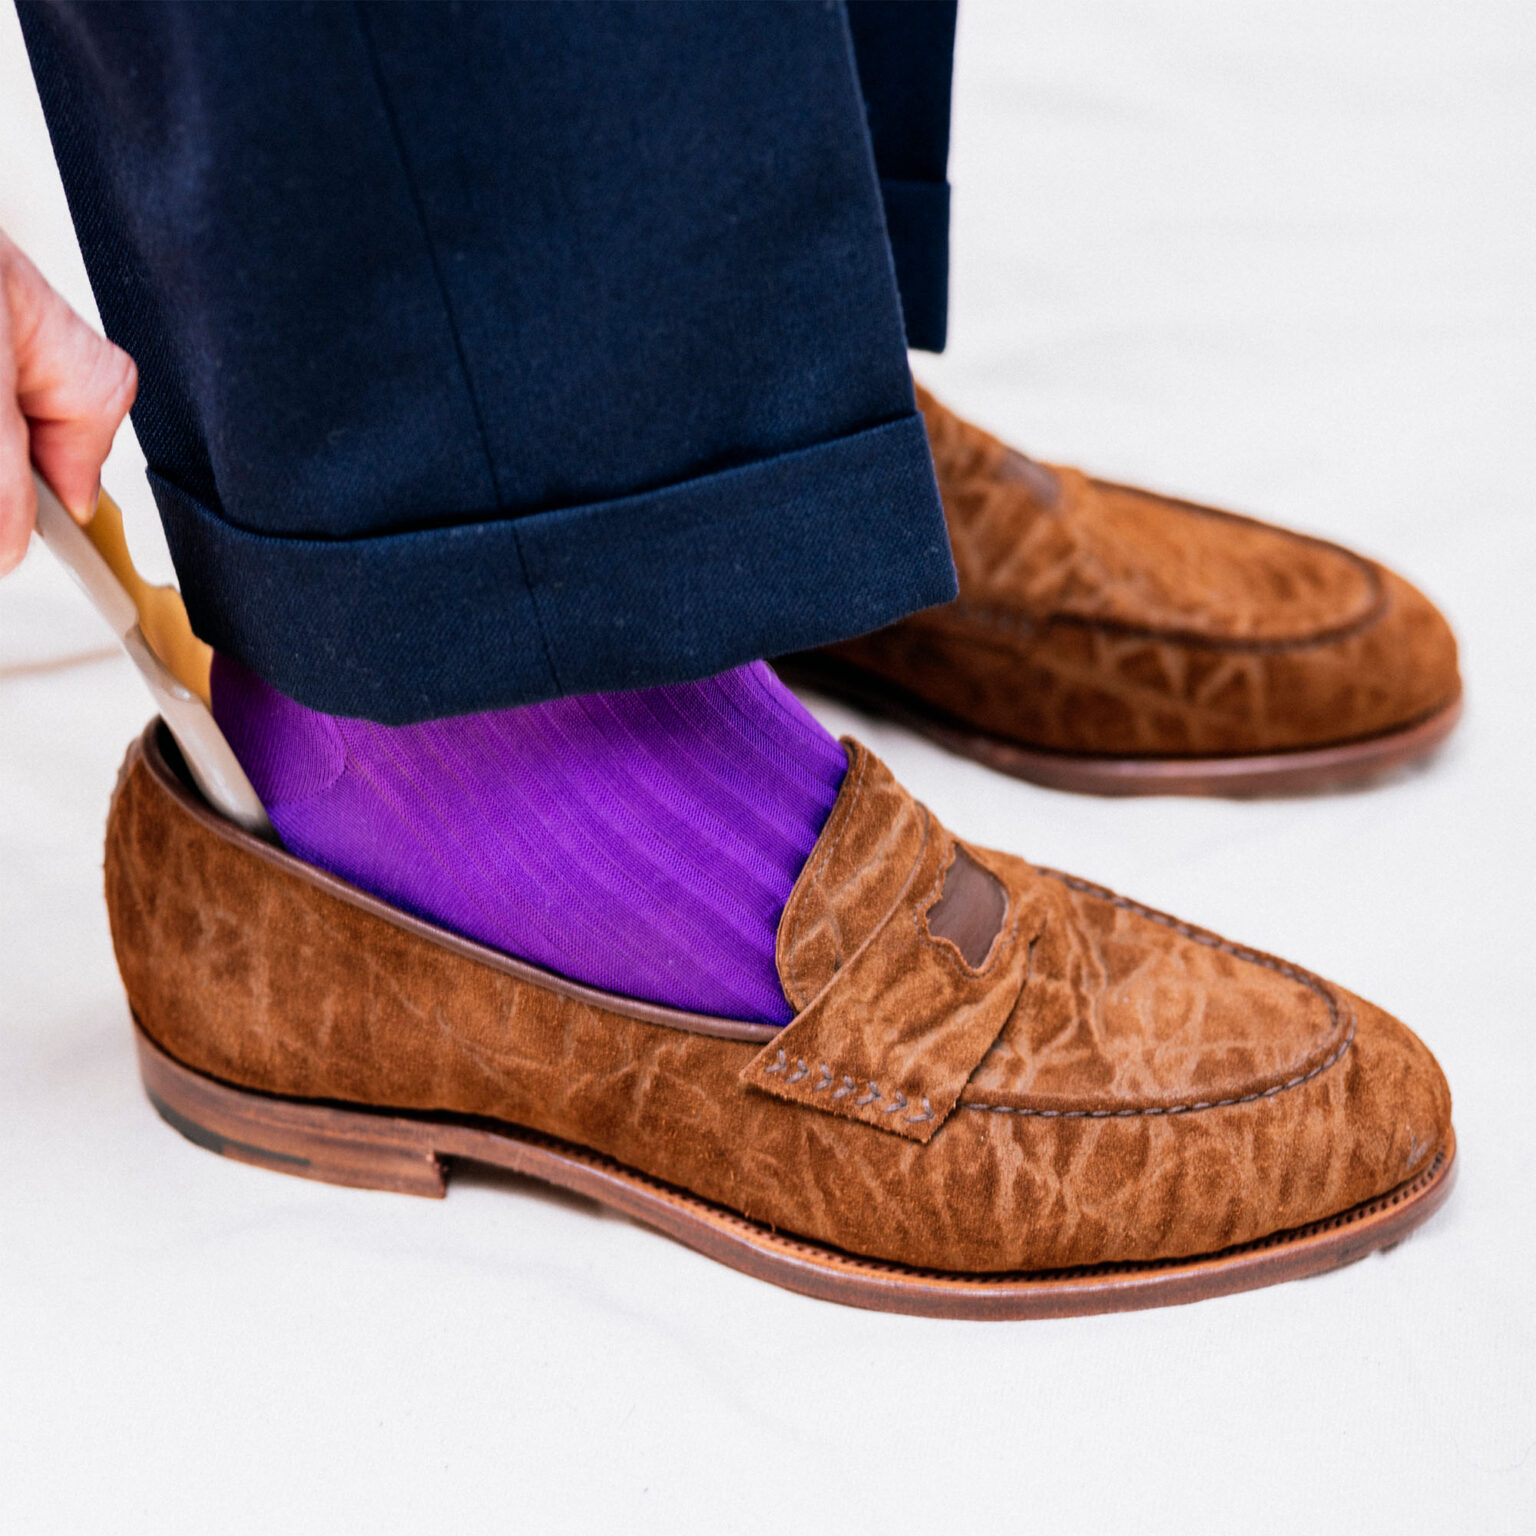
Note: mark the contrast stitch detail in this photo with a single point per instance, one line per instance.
(1211, 941)
(797, 1070)
(821, 865)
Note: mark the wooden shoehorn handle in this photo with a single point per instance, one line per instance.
(151, 623)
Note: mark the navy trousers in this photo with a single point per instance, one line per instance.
(490, 353)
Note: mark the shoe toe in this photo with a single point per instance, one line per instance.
(1387, 673)
(1386, 1118)
(1165, 1093)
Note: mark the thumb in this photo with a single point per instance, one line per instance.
(71, 386)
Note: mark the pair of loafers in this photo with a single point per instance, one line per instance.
(1006, 1091)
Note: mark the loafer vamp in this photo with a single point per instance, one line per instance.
(1062, 1188)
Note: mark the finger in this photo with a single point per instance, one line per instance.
(72, 385)
(18, 500)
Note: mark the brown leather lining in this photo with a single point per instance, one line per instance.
(971, 910)
(160, 753)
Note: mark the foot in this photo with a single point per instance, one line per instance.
(1113, 640)
(644, 842)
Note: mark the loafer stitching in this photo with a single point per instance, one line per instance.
(1211, 941)
(1025, 626)
(1169, 1109)
(798, 1069)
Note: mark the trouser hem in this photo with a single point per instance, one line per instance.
(780, 555)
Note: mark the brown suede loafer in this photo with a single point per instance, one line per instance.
(1111, 640)
(1005, 1092)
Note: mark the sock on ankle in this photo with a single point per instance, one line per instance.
(644, 842)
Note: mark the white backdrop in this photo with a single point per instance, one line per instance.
(1277, 255)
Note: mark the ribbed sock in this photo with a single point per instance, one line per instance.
(644, 842)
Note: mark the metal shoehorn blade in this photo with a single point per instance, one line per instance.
(151, 625)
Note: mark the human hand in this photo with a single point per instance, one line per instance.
(64, 391)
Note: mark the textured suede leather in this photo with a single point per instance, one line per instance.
(1096, 618)
(1150, 1091)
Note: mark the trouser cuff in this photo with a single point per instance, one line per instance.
(780, 555)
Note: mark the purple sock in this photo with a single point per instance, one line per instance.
(642, 842)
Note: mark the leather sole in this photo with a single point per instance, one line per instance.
(1338, 766)
(415, 1154)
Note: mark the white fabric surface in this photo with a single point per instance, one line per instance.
(1275, 255)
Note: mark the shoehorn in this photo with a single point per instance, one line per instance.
(152, 626)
